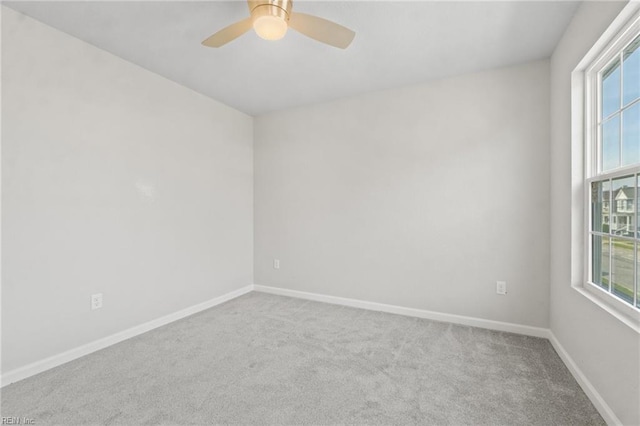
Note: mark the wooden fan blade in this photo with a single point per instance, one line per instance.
(322, 30)
(228, 34)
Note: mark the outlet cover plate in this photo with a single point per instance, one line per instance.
(96, 301)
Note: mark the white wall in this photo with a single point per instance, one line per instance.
(421, 197)
(606, 350)
(115, 180)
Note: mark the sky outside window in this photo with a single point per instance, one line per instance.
(631, 71)
(611, 89)
(620, 110)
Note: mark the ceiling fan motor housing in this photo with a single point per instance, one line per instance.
(276, 8)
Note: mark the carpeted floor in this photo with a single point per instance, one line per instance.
(264, 359)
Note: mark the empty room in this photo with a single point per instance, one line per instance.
(269, 212)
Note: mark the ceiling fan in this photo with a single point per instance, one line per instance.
(270, 20)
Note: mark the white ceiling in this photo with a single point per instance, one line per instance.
(396, 44)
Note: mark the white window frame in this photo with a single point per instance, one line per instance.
(585, 95)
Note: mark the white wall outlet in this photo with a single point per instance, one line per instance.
(276, 263)
(96, 301)
(501, 287)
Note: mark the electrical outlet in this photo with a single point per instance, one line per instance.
(96, 301)
(276, 263)
(501, 287)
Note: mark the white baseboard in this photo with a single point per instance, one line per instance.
(596, 399)
(56, 360)
(411, 312)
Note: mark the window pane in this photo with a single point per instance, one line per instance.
(637, 209)
(624, 195)
(622, 267)
(631, 135)
(600, 206)
(611, 143)
(611, 89)
(631, 71)
(600, 264)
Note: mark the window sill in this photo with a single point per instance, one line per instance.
(625, 314)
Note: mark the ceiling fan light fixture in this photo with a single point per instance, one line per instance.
(270, 18)
(270, 27)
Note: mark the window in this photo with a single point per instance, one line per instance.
(612, 138)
